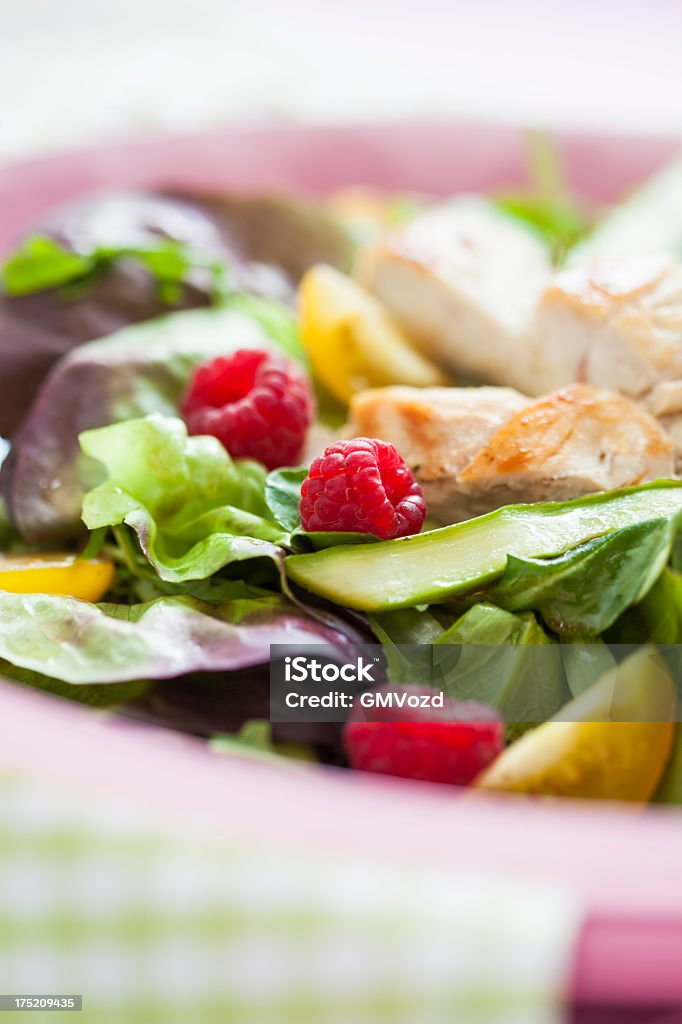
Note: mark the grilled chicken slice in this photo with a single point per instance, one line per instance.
(616, 325)
(566, 444)
(437, 431)
(475, 449)
(463, 280)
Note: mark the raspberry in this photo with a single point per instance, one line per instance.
(452, 744)
(258, 404)
(362, 486)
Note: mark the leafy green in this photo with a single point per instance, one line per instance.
(583, 591)
(508, 661)
(584, 663)
(254, 740)
(283, 496)
(407, 626)
(277, 322)
(95, 695)
(192, 508)
(42, 263)
(547, 207)
(647, 220)
(136, 371)
(558, 221)
(657, 618)
(670, 787)
(487, 654)
(318, 540)
(400, 632)
(39, 264)
(85, 644)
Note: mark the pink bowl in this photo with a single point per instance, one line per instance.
(623, 864)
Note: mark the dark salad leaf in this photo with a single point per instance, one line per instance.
(279, 231)
(36, 329)
(132, 253)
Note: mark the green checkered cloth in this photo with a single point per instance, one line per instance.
(155, 924)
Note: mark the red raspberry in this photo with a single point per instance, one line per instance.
(362, 486)
(258, 404)
(452, 744)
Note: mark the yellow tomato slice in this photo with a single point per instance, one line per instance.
(611, 743)
(351, 341)
(87, 580)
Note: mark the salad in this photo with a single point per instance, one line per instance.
(449, 431)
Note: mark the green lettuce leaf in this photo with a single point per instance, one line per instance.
(583, 591)
(191, 507)
(507, 661)
(487, 654)
(136, 371)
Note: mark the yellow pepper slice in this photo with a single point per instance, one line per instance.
(65, 574)
(610, 743)
(351, 341)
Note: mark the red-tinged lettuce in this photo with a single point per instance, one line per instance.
(109, 260)
(86, 644)
(139, 370)
(39, 324)
(191, 507)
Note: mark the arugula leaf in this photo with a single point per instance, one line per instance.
(547, 208)
(42, 263)
(557, 221)
(192, 508)
(283, 496)
(583, 591)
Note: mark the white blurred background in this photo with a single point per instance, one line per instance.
(74, 71)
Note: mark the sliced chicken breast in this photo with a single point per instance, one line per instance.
(616, 325)
(437, 431)
(463, 280)
(566, 444)
(475, 449)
